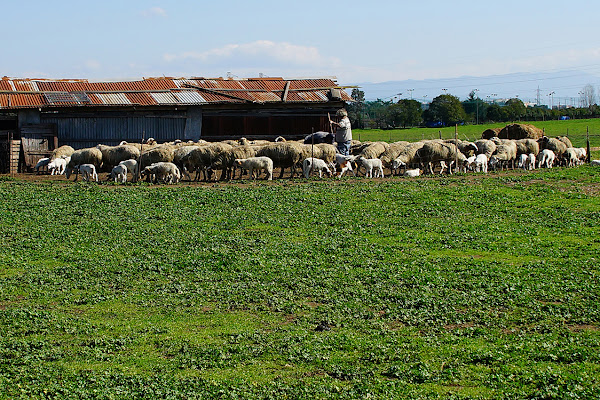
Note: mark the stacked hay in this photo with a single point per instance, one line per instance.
(520, 131)
(490, 133)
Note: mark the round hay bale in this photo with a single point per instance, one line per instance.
(520, 131)
(490, 133)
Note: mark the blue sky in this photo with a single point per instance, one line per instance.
(356, 41)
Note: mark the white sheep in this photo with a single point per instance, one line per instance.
(481, 163)
(412, 173)
(531, 162)
(132, 166)
(58, 165)
(546, 158)
(87, 171)
(256, 163)
(595, 163)
(165, 172)
(119, 173)
(373, 166)
(311, 164)
(523, 161)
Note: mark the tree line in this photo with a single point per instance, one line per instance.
(448, 110)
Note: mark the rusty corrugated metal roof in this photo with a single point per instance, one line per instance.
(47, 93)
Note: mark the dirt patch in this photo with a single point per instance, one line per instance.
(583, 328)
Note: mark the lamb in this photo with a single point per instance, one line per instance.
(259, 164)
(165, 172)
(371, 164)
(131, 166)
(571, 157)
(312, 164)
(58, 165)
(531, 162)
(481, 163)
(119, 173)
(412, 173)
(546, 158)
(42, 162)
(344, 163)
(581, 154)
(87, 171)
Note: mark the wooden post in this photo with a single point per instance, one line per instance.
(589, 156)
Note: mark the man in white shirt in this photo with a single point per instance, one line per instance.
(343, 133)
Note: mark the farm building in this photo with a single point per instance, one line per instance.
(37, 115)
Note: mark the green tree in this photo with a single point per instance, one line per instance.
(495, 113)
(356, 108)
(446, 109)
(406, 113)
(515, 109)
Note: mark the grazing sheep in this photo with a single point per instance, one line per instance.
(64, 150)
(201, 158)
(225, 161)
(565, 140)
(42, 162)
(439, 152)
(113, 155)
(156, 154)
(486, 146)
(546, 158)
(526, 146)
(464, 146)
(132, 166)
(312, 164)
(165, 172)
(374, 150)
(119, 173)
(257, 164)
(87, 171)
(412, 173)
(392, 152)
(284, 155)
(407, 157)
(581, 155)
(58, 165)
(84, 156)
(505, 155)
(557, 146)
(373, 167)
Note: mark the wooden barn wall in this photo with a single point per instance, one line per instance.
(81, 131)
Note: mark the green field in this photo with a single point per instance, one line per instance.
(467, 286)
(576, 130)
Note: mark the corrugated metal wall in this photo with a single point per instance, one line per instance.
(88, 131)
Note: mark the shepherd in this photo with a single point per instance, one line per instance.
(343, 133)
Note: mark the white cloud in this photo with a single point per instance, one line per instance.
(154, 12)
(262, 52)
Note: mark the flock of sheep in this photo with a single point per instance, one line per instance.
(171, 162)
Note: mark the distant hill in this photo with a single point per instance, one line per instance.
(564, 84)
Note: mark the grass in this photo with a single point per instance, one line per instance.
(575, 129)
(454, 287)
